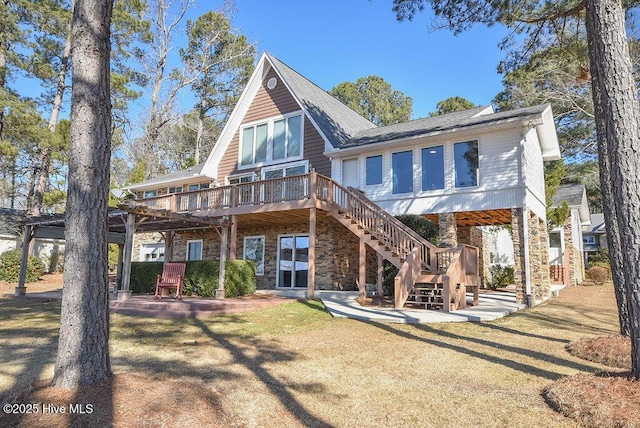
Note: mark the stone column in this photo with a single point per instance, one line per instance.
(544, 247)
(448, 230)
(517, 228)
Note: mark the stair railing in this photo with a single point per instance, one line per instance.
(387, 229)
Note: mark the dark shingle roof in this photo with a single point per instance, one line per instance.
(11, 221)
(337, 122)
(438, 124)
(597, 224)
(572, 193)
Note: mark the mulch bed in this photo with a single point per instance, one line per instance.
(607, 399)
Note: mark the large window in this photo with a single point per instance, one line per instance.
(194, 250)
(374, 170)
(433, 168)
(254, 250)
(402, 164)
(466, 163)
(271, 141)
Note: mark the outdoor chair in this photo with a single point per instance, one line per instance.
(172, 277)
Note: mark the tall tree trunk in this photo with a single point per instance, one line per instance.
(46, 152)
(83, 348)
(617, 123)
(202, 115)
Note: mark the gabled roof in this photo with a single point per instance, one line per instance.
(575, 195)
(336, 121)
(184, 175)
(597, 224)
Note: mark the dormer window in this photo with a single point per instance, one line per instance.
(271, 141)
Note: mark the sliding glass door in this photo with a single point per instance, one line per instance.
(293, 261)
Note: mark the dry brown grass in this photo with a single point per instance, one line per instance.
(293, 365)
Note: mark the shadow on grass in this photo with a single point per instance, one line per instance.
(277, 388)
(435, 340)
(520, 333)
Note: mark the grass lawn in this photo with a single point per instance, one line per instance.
(293, 365)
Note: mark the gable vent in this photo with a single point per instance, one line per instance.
(272, 83)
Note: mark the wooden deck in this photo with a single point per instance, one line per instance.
(458, 267)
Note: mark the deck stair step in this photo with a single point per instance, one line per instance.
(427, 295)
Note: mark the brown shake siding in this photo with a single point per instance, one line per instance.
(270, 103)
(314, 148)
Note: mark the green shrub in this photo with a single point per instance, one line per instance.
(239, 278)
(598, 274)
(501, 276)
(10, 266)
(143, 276)
(201, 277)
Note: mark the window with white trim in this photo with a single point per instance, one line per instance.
(270, 141)
(237, 179)
(589, 240)
(176, 189)
(254, 250)
(374, 170)
(150, 193)
(194, 249)
(466, 163)
(152, 252)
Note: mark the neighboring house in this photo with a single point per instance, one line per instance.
(10, 221)
(566, 242)
(50, 251)
(594, 237)
(308, 188)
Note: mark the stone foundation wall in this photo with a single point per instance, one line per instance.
(337, 251)
(574, 256)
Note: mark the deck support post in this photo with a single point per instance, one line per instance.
(223, 258)
(234, 238)
(380, 290)
(21, 290)
(168, 246)
(119, 266)
(130, 229)
(311, 272)
(362, 270)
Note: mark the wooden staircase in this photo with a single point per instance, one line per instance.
(428, 277)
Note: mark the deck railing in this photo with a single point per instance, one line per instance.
(261, 192)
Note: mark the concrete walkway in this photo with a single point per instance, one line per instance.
(343, 304)
(340, 304)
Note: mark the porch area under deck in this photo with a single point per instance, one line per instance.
(308, 202)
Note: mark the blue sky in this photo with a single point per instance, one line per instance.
(333, 41)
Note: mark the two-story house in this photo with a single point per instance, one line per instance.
(307, 188)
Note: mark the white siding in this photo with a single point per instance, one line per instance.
(576, 230)
(534, 168)
(500, 183)
(8, 242)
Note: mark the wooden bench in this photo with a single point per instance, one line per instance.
(172, 277)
